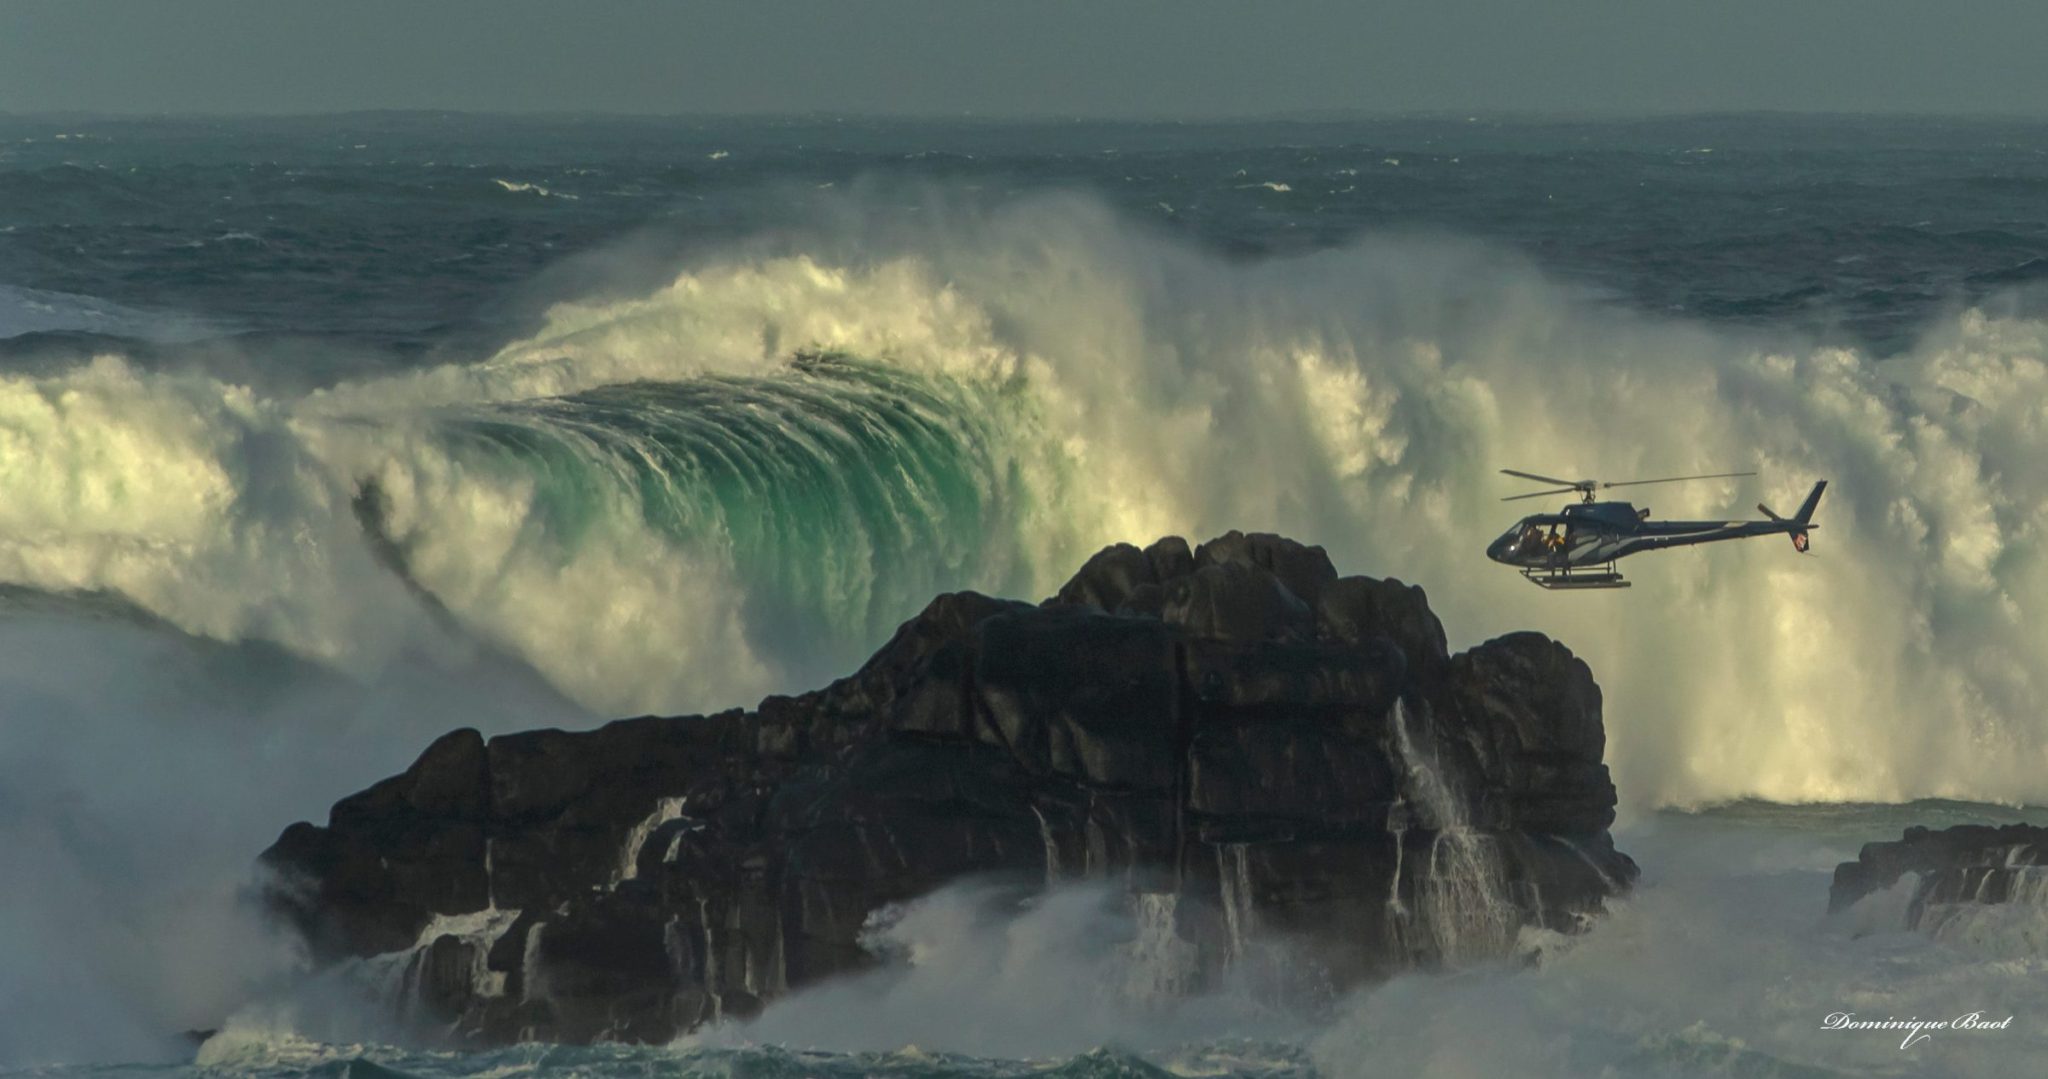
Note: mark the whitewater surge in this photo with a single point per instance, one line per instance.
(1719, 963)
(974, 968)
(739, 483)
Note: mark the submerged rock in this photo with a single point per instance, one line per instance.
(1249, 745)
(1958, 872)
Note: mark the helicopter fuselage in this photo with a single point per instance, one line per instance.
(1597, 533)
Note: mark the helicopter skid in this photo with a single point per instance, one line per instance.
(1568, 580)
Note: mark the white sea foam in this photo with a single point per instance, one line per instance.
(520, 186)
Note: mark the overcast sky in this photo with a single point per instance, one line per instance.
(1025, 57)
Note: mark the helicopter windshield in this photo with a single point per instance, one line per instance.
(1533, 540)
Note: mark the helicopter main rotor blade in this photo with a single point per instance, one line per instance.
(1569, 485)
(1676, 479)
(1539, 494)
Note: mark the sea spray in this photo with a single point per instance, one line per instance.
(665, 810)
(142, 769)
(1719, 962)
(1161, 963)
(1052, 847)
(1994, 909)
(2015, 925)
(1240, 917)
(1461, 912)
(1000, 971)
(533, 982)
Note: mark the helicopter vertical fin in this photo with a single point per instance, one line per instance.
(1805, 515)
(1800, 522)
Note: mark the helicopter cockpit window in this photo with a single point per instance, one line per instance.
(1538, 541)
(1526, 539)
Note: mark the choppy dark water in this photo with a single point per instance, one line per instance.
(399, 228)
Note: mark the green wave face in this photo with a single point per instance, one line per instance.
(842, 493)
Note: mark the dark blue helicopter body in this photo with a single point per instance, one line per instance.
(1577, 547)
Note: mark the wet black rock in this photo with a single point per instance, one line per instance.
(1964, 865)
(1242, 741)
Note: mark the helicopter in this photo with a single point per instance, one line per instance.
(1577, 546)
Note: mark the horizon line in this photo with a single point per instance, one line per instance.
(1285, 116)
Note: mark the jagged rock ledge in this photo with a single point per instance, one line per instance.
(1959, 871)
(1243, 742)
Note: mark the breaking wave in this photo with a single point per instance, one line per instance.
(739, 483)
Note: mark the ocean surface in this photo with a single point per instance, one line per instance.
(319, 437)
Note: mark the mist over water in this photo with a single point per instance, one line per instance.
(1720, 963)
(140, 770)
(708, 471)
(990, 974)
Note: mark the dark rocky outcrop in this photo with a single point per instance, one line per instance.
(1243, 741)
(1969, 864)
